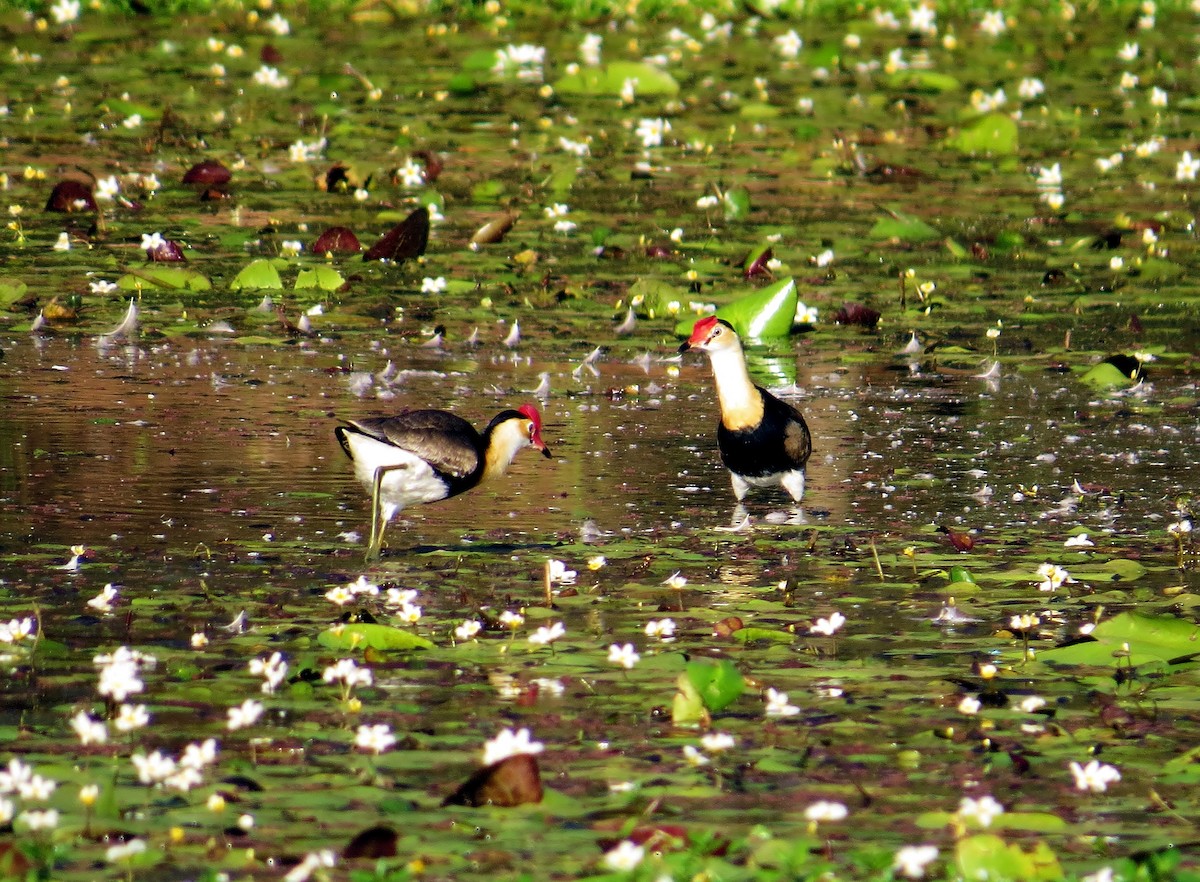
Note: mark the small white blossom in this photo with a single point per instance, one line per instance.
(65, 11)
(912, 860)
(130, 717)
(664, 629)
(546, 635)
(983, 810)
(826, 811)
(651, 131)
(624, 857)
(509, 743)
(778, 705)
(1080, 540)
(1095, 776)
(624, 655)
(467, 630)
(433, 286)
(245, 714)
(829, 626)
(270, 77)
(675, 581)
(376, 738)
(789, 44)
(993, 23)
(717, 742)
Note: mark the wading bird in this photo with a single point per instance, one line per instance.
(763, 441)
(426, 455)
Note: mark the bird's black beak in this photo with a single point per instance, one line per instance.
(684, 346)
(546, 452)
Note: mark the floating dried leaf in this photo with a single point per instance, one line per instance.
(404, 241)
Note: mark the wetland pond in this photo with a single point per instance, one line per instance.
(968, 654)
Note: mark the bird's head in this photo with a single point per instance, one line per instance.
(711, 334)
(534, 428)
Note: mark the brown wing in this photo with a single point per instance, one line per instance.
(447, 442)
(796, 439)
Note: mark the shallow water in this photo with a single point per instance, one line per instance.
(197, 464)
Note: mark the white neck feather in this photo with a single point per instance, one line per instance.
(735, 389)
(504, 443)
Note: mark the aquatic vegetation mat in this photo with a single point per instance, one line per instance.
(960, 240)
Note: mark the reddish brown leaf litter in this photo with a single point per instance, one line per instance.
(512, 781)
(404, 241)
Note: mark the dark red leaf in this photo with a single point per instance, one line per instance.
(337, 240)
(512, 781)
(270, 55)
(404, 241)
(168, 252)
(71, 196)
(759, 266)
(856, 314)
(208, 172)
(432, 162)
(376, 842)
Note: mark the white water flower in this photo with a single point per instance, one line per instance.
(789, 44)
(982, 811)
(829, 626)
(624, 655)
(778, 705)
(664, 629)
(1095, 776)
(245, 714)
(651, 131)
(1080, 540)
(912, 860)
(547, 634)
(467, 630)
(270, 77)
(375, 738)
(509, 743)
(624, 857)
(825, 810)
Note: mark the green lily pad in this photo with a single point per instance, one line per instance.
(994, 134)
(258, 274)
(1106, 377)
(11, 290)
(324, 277)
(904, 227)
(611, 79)
(764, 314)
(737, 204)
(1148, 638)
(762, 635)
(363, 635)
(987, 856)
(175, 277)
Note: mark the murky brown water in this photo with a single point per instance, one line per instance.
(162, 447)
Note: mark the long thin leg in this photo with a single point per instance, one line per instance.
(378, 523)
(740, 486)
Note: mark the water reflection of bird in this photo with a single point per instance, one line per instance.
(427, 455)
(763, 441)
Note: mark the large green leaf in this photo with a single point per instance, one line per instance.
(363, 635)
(1137, 638)
(11, 290)
(994, 134)
(987, 856)
(718, 684)
(760, 315)
(324, 277)
(904, 228)
(162, 276)
(611, 79)
(1105, 376)
(258, 274)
